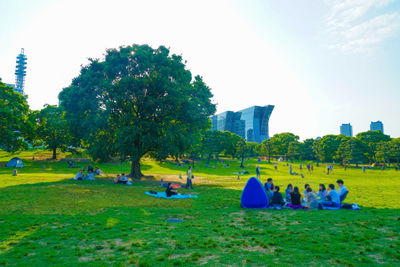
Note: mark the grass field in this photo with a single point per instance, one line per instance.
(48, 219)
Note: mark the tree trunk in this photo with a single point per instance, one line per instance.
(54, 152)
(241, 163)
(135, 170)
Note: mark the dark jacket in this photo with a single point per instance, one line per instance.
(277, 199)
(296, 198)
(268, 187)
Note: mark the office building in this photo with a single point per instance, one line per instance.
(346, 129)
(376, 126)
(250, 123)
(20, 72)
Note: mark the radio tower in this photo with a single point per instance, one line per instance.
(20, 72)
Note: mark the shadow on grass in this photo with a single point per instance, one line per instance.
(68, 221)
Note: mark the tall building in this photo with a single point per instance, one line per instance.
(20, 72)
(250, 123)
(346, 129)
(376, 126)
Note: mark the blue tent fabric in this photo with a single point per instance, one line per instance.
(164, 195)
(15, 162)
(254, 195)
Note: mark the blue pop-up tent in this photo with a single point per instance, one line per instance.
(254, 195)
(15, 162)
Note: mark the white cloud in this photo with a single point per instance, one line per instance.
(357, 25)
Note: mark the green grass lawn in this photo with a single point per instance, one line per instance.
(48, 219)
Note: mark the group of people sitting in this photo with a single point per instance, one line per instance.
(122, 179)
(82, 175)
(323, 198)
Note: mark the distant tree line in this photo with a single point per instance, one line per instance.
(139, 101)
(367, 147)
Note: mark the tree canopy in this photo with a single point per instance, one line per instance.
(137, 100)
(52, 128)
(14, 112)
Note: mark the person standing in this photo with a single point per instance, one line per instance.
(189, 177)
(258, 172)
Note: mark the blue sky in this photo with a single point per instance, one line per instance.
(321, 63)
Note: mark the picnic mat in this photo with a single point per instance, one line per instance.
(164, 195)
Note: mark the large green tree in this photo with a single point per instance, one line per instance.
(14, 125)
(212, 143)
(230, 143)
(395, 151)
(371, 140)
(280, 144)
(350, 150)
(52, 128)
(307, 152)
(326, 147)
(134, 101)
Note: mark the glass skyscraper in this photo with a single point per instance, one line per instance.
(376, 126)
(346, 129)
(250, 123)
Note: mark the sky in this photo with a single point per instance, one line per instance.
(321, 63)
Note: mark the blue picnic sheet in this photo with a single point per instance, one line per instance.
(164, 195)
(353, 207)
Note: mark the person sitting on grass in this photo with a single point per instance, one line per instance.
(90, 168)
(333, 199)
(277, 200)
(305, 192)
(342, 190)
(123, 179)
(79, 175)
(295, 198)
(116, 179)
(288, 190)
(269, 186)
(97, 171)
(312, 201)
(169, 191)
(90, 175)
(321, 192)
